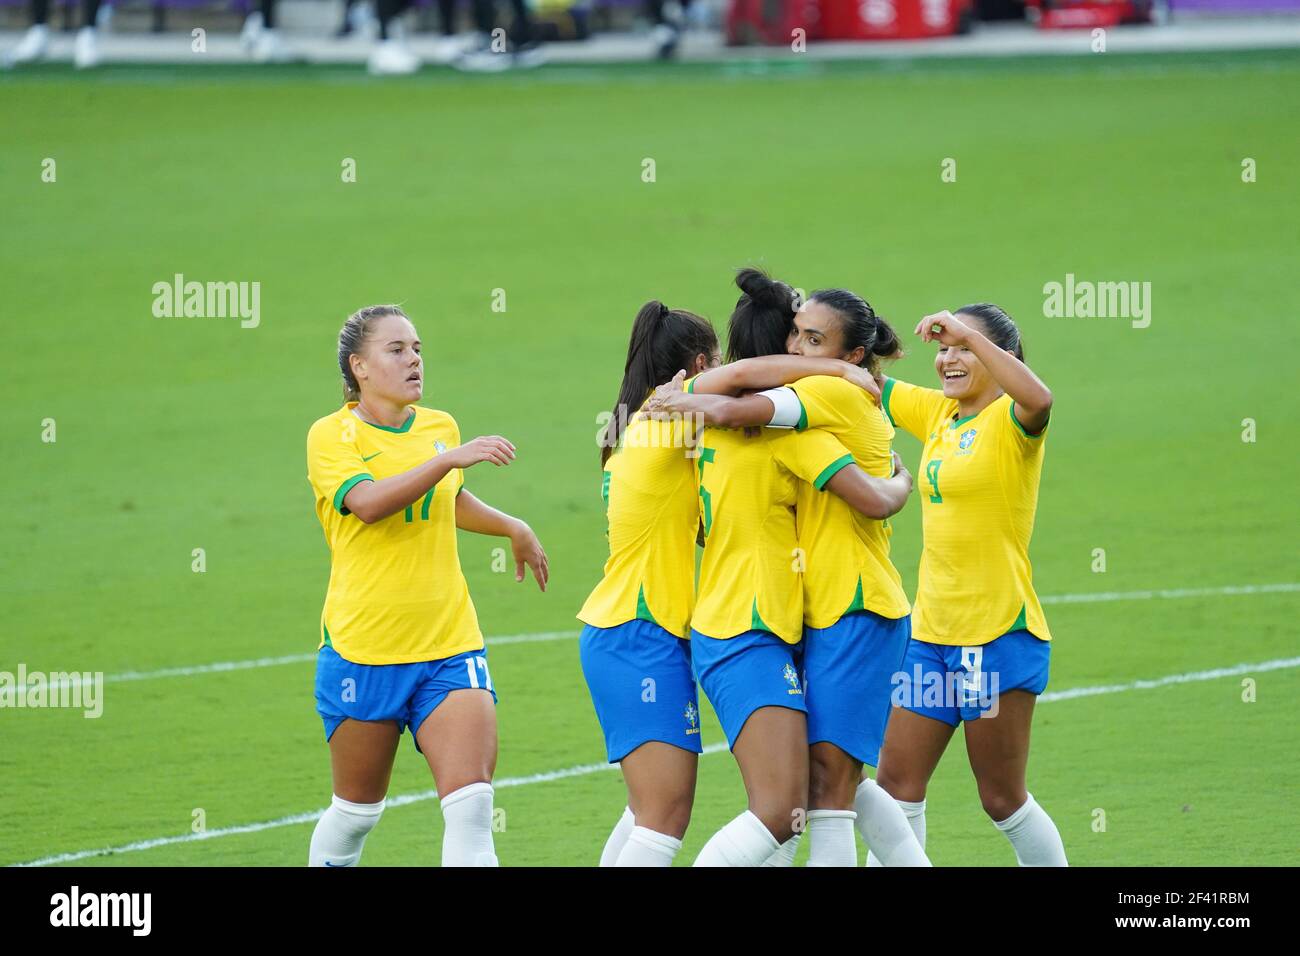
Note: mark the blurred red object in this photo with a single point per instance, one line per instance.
(1084, 14)
(775, 21)
(772, 22)
(894, 19)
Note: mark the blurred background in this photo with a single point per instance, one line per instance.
(399, 36)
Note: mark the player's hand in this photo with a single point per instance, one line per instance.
(528, 551)
(665, 392)
(863, 379)
(901, 469)
(491, 448)
(944, 328)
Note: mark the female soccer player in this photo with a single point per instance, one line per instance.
(634, 652)
(400, 643)
(978, 630)
(748, 617)
(855, 610)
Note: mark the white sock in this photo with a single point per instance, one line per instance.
(915, 813)
(784, 854)
(617, 837)
(831, 835)
(884, 827)
(341, 832)
(1033, 835)
(742, 842)
(467, 817)
(646, 847)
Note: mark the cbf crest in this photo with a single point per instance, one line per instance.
(792, 678)
(965, 440)
(692, 718)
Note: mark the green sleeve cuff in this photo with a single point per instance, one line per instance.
(830, 471)
(690, 385)
(1042, 431)
(803, 414)
(884, 400)
(345, 488)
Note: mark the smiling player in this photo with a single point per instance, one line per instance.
(977, 625)
(400, 644)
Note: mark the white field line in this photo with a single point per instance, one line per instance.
(1100, 597)
(583, 770)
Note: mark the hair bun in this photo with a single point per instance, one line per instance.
(763, 289)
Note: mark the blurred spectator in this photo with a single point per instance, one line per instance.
(36, 40)
(260, 38)
(669, 18)
(491, 54)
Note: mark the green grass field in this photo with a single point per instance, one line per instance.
(176, 434)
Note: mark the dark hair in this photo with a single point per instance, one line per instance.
(859, 325)
(352, 338)
(998, 326)
(663, 341)
(764, 315)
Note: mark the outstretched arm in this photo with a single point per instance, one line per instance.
(771, 371)
(481, 518)
(718, 410)
(373, 501)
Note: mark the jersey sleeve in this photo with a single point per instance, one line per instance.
(334, 464)
(813, 456)
(829, 402)
(455, 443)
(1017, 434)
(911, 407)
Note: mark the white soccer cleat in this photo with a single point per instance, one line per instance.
(666, 37)
(253, 28)
(530, 55)
(85, 51)
(391, 58)
(32, 47)
(447, 50)
(270, 48)
(484, 60)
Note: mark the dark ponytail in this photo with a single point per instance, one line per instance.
(763, 317)
(859, 325)
(998, 327)
(663, 341)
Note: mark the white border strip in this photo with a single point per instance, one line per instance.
(583, 770)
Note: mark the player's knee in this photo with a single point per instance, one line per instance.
(1001, 802)
(668, 813)
(900, 786)
(781, 813)
(832, 779)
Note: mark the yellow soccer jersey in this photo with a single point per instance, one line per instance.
(653, 514)
(396, 592)
(848, 567)
(750, 574)
(979, 491)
